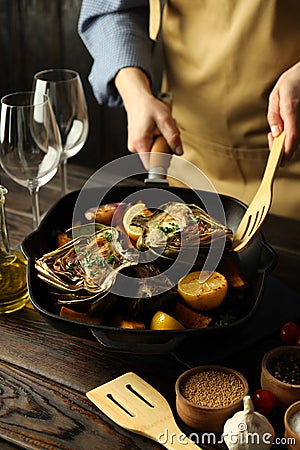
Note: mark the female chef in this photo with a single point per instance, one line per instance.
(234, 72)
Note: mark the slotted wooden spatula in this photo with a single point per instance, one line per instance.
(135, 405)
(261, 203)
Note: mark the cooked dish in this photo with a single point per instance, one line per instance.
(84, 270)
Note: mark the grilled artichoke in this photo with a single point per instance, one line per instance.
(86, 267)
(176, 225)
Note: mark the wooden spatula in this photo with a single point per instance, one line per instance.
(135, 405)
(261, 203)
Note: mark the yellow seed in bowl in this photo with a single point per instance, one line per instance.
(212, 388)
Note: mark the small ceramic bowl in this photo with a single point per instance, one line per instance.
(206, 396)
(286, 393)
(292, 426)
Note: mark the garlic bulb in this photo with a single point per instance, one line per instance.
(248, 429)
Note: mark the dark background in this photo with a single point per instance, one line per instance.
(41, 34)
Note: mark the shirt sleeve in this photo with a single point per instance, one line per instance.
(115, 33)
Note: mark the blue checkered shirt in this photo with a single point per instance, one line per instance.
(115, 33)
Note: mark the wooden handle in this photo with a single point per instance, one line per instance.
(158, 156)
(159, 163)
(274, 158)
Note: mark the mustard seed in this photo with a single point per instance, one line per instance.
(212, 388)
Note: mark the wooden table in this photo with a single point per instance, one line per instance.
(45, 374)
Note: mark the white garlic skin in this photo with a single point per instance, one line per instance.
(248, 429)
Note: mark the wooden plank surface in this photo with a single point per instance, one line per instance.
(44, 375)
(38, 412)
(4, 445)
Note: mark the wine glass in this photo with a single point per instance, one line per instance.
(30, 144)
(64, 88)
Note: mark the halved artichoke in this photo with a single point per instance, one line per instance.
(86, 268)
(175, 225)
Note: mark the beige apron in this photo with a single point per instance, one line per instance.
(222, 59)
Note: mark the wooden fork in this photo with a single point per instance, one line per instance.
(261, 203)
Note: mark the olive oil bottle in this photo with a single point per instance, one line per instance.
(13, 285)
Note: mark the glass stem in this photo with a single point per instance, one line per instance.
(36, 218)
(63, 176)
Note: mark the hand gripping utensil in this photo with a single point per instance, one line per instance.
(135, 405)
(261, 203)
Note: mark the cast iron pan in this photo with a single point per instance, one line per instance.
(256, 262)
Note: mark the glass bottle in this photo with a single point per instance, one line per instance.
(13, 286)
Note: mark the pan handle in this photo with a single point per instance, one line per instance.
(160, 155)
(160, 159)
(268, 258)
(138, 347)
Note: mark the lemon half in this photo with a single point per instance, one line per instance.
(203, 295)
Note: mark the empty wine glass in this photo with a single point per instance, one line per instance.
(30, 145)
(64, 88)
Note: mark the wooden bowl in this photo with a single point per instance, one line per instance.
(200, 416)
(285, 393)
(293, 439)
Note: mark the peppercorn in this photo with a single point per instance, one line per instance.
(285, 368)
